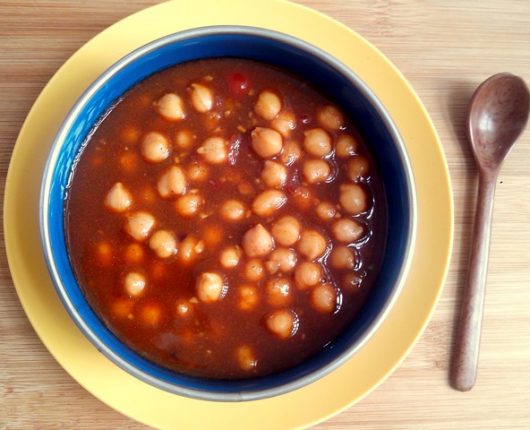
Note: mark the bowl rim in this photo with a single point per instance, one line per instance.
(64, 129)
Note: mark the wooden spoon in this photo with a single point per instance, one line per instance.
(497, 115)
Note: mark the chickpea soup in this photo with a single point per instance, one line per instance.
(225, 219)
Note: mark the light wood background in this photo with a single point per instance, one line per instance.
(444, 48)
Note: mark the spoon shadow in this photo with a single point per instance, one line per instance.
(465, 194)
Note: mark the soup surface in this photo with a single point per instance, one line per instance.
(225, 219)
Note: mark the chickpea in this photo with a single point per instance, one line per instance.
(230, 256)
(171, 107)
(158, 271)
(151, 314)
(163, 243)
(233, 210)
(326, 211)
(324, 298)
(211, 121)
(245, 188)
(268, 105)
(346, 146)
(184, 308)
(266, 142)
(330, 117)
(316, 171)
(347, 230)
(134, 253)
(134, 284)
(303, 198)
(248, 297)
(189, 204)
(312, 244)
(184, 139)
(268, 202)
(189, 248)
(278, 291)
(130, 135)
(246, 358)
(199, 247)
(210, 287)
(281, 259)
(286, 231)
(172, 182)
(353, 198)
(308, 274)
(155, 147)
(129, 162)
(118, 199)
(342, 257)
(139, 225)
(284, 123)
(317, 142)
(254, 270)
(291, 153)
(212, 235)
(274, 175)
(257, 242)
(197, 172)
(214, 150)
(201, 97)
(105, 254)
(283, 323)
(357, 167)
(123, 308)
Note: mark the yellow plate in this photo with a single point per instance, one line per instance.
(305, 406)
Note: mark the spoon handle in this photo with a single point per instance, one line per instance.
(465, 358)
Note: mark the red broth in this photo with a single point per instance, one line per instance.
(225, 219)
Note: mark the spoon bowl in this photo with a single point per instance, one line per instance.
(498, 114)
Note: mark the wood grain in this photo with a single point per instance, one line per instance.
(444, 49)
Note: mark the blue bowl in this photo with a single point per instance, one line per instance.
(327, 74)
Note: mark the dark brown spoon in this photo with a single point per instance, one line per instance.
(497, 115)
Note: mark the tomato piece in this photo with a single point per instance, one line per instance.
(238, 84)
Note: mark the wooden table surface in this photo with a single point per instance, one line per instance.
(444, 48)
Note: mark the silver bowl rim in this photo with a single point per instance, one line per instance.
(63, 131)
